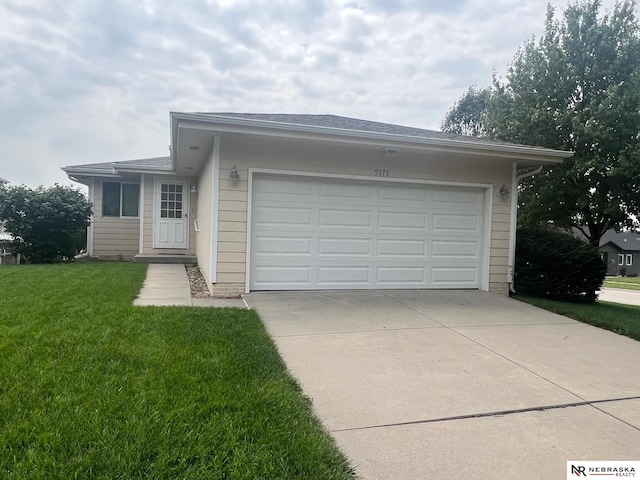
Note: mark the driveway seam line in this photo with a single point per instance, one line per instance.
(500, 413)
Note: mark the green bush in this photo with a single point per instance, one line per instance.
(48, 225)
(556, 265)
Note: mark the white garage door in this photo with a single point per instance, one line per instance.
(318, 233)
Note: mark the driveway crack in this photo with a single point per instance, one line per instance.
(501, 413)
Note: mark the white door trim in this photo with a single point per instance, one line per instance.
(185, 209)
(487, 188)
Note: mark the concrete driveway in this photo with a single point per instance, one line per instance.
(458, 384)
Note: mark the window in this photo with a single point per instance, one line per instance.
(120, 199)
(171, 201)
(620, 259)
(629, 259)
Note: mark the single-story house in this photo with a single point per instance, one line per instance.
(306, 202)
(621, 251)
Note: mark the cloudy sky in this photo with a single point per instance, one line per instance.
(84, 81)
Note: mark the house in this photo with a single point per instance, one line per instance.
(306, 202)
(621, 251)
(6, 257)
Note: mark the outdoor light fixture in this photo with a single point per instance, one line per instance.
(194, 189)
(234, 175)
(504, 192)
(390, 152)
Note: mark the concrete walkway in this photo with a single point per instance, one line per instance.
(458, 384)
(618, 295)
(168, 285)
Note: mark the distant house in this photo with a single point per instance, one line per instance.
(5, 255)
(621, 251)
(3, 233)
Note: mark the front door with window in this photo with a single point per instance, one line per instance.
(171, 214)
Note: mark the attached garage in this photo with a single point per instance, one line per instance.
(315, 232)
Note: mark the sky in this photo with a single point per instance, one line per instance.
(88, 81)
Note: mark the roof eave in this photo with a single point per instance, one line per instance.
(541, 154)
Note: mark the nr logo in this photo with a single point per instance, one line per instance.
(578, 470)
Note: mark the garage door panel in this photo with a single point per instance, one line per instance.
(401, 276)
(457, 199)
(406, 196)
(341, 191)
(358, 234)
(402, 220)
(393, 248)
(454, 276)
(279, 189)
(340, 276)
(344, 218)
(270, 215)
(280, 275)
(455, 249)
(345, 247)
(281, 245)
(456, 222)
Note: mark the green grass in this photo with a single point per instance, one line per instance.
(621, 319)
(92, 387)
(627, 283)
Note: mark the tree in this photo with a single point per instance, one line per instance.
(557, 265)
(47, 224)
(468, 115)
(577, 89)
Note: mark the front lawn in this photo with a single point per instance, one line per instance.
(621, 319)
(92, 387)
(628, 283)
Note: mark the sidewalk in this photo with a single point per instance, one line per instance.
(619, 295)
(168, 285)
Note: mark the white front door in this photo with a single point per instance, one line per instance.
(171, 214)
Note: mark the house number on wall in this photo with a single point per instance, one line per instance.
(381, 173)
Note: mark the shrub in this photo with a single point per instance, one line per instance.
(556, 265)
(47, 224)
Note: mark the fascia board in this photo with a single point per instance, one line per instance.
(144, 169)
(243, 125)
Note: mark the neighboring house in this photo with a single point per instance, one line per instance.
(307, 202)
(5, 255)
(621, 251)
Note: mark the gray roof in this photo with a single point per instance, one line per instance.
(625, 241)
(352, 124)
(108, 167)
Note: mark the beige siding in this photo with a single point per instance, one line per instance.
(361, 161)
(113, 237)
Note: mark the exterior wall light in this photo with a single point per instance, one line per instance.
(194, 190)
(389, 152)
(504, 192)
(234, 175)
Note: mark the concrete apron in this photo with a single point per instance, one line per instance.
(458, 384)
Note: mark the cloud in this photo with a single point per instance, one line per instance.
(94, 81)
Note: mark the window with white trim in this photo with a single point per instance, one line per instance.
(629, 259)
(120, 199)
(620, 259)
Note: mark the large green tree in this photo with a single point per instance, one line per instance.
(47, 224)
(577, 88)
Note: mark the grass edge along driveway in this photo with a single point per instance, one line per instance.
(93, 387)
(616, 317)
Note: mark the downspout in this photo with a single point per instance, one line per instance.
(513, 218)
